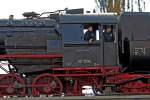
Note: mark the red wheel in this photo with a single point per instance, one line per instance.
(11, 85)
(47, 84)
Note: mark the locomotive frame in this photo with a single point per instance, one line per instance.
(70, 81)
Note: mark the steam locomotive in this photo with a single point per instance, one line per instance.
(49, 56)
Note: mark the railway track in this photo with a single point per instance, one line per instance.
(122, 97)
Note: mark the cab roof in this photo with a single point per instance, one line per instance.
(88, 18)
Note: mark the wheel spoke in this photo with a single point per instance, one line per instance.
(54, 86)
(11, 85)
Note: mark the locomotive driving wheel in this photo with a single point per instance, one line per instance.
(46, 84)
(11, 85)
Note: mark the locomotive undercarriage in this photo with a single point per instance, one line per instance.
(67, 81)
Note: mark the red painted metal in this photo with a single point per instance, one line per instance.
(73, 80)
(11, 85)
(75, 88)
(74, 84)
(127, 83)
(75, 75)
(46, 84)
(93, 71)
(98, 68)
(135, 87)
(122, 77)
(36, 56)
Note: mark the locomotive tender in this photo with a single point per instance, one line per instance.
(49, 56)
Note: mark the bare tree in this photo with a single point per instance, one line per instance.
(101, 4)
(120, 5)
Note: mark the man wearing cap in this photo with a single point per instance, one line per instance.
(89, 34)
(108, 35)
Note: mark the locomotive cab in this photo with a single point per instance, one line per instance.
(79, 52)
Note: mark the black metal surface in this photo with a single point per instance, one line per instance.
(135, 26)
(75, 11)
(140, 53)
(80, 18)
(39, 36)
(27, 23)
(110, 54)
(27, 36)
(23, 47)
(82, 55)
(135, 29)
(54, 46)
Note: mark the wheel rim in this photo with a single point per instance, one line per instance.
(12, 84)
(47, 84)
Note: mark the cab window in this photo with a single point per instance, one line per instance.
(91, 32)
(108, 33)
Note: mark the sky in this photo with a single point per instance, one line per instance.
(17, 7)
